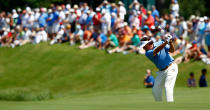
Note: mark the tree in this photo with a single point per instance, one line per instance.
(192, 7)
(8, 5)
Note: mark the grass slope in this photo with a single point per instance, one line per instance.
(61, 69)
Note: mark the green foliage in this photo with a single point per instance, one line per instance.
(192, 7)
(8, 5)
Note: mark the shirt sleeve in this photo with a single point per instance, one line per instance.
(149, 53)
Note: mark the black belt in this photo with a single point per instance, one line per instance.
(167, 66)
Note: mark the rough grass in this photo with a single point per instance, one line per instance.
(61, 69)
(21, 94)
(138, 99)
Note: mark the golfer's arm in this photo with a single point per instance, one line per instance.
(171, 49)
(159, 48)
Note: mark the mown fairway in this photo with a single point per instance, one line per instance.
(186, 99)
(89, 79)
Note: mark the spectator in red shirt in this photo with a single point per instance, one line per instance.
(150, 20)
(140, 18)
(96, 19)
(143, 10)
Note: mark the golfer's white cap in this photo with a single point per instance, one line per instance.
(144, 43)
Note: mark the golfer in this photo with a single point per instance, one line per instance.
(158, 53)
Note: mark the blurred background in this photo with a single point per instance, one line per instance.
(198, 7)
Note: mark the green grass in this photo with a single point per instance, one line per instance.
(141, 99)
(86, 80)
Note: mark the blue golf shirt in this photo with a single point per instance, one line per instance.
(162, 59)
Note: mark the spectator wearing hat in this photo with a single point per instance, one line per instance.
(150, 21)
(122, 10)
(105, 22)
(182, 25)
(59, 36)
(82, 19)
(155, 12)
(146, 31)
(24, 18)
(201, 32)
(126, 35)
(143, 10)
(41, 35)
(105, 5)
(77, 11)
(96, 19)
(36, 17)
(57, 20)
(174, 8)
(85, 7)
(77, 35)
(140, 17)
(50, 21)
(113, 8)
(134, 6)
(72, 19)
(61, 14)
(88, 21)
(134, 20)
(42, 18)
(113, 21)
(15, 17)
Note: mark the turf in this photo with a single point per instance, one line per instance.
(141, 99)
(86, 80)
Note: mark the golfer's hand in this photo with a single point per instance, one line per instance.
(170, 41)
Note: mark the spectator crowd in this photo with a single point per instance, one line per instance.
(109, 27)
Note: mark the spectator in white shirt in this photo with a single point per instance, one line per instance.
(174, 8)
(122, 10)
(41, 35)
(182, 28)
(106, 22)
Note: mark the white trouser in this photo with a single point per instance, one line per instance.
(165, 79)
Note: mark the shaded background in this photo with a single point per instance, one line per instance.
(187, 7)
